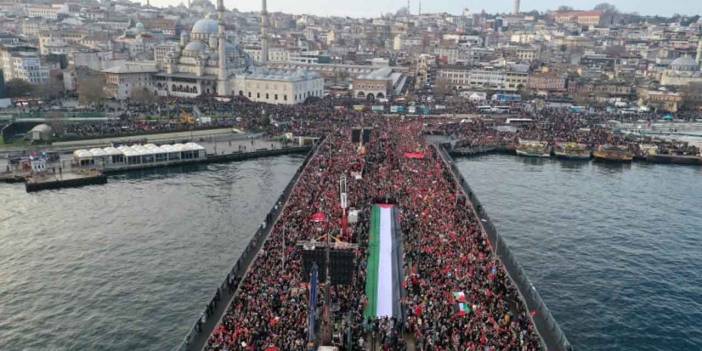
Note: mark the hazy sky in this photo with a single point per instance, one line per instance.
(372, 8)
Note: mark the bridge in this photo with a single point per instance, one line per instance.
(441, 218)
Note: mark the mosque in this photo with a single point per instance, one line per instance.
(206, 63)
(684, 70)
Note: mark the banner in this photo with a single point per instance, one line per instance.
(382, 278)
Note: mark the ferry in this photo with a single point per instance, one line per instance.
(573, 151)
(533, 148)
(614, 153)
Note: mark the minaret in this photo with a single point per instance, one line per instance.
(264, 33)
(515, 10)
(222, 71)
(699, 52)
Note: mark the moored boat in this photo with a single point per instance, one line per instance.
(677, 154)
(573, 151)
(533, 148)
(613, 153)
(676, 159)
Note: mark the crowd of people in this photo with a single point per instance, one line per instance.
(445, 252)
(556, 126)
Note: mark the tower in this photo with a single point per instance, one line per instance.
(699, 53)
(515, 10)
(264, 33)
(222, 89)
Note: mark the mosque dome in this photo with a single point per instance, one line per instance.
(139, 27)
(684, 64)
(194, 48)
(204, 26)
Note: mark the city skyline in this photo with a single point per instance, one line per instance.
(356, 9)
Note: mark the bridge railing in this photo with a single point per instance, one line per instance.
(548, 329)
(219, 303)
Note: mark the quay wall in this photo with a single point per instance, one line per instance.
(203, 327)
(552, 336)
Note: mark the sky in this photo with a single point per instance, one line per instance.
(373, 8)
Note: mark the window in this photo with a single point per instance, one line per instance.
(276, 97)
(285, 97)
(258, 95)
(267, 96)
(117, 159)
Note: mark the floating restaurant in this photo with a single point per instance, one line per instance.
(138, 156)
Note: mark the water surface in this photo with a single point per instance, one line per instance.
(129, 265)
(613, 249)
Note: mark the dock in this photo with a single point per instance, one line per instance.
(74, 177)
(38, 182)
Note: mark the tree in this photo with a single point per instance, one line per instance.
(564, 8)
(18, 87)
(55, 120)
(143, 96)
(692, 95)
(52, 89)
(443, 87)
(90, 90)
(606, 8)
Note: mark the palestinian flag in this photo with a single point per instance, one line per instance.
(383, 277)
(463, 308)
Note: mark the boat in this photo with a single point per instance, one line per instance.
(572, 151)
(675, 155)
(675, 159)
(533, 148)
(613, 153)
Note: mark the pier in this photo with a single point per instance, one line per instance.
(38, 182)
(64, 173)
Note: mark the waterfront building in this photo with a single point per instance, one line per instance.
(282, 88)
(382, 83)
(660, 100)
(461, 78)
(124, 79)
